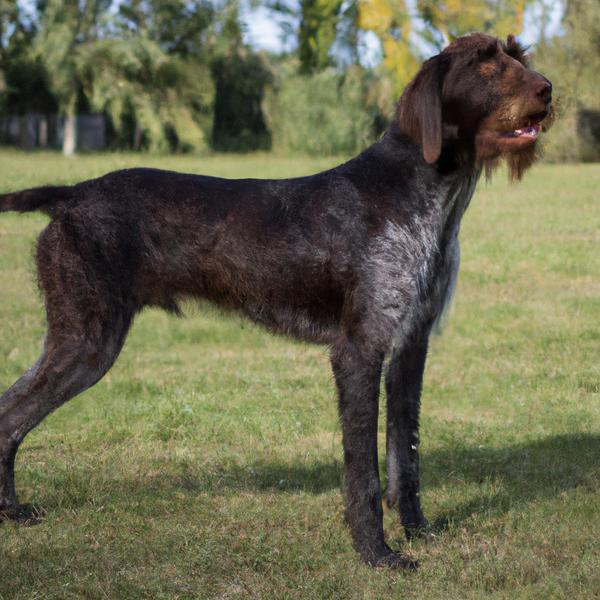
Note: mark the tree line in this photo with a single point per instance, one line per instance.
(176, 75)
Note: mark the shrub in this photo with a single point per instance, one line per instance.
(240, 80)
(321, 114)
(572, 62)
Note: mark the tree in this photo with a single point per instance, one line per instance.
(571, 60)
(131, 79)
(390, 21)
(444, 20)
(241, 76)
(449, 19)
(180, 27)
(23, 78)
(316, 26)
(14, 33)
(142, 67)
(317, 33)
(66, 26)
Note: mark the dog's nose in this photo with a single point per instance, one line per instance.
(545, 91)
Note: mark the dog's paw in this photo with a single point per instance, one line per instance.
(386, 558)
(24, 514)
(421, 531)
(396, 561)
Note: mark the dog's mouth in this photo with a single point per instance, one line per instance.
(529, 130)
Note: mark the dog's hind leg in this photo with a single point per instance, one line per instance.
(87, 326)
(357, 377)
(403, 380)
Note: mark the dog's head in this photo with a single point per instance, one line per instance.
(480, 95)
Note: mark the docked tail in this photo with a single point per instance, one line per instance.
(46, 199)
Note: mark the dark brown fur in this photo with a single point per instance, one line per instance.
(362, 257)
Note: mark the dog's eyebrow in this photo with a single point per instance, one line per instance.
(490, 50)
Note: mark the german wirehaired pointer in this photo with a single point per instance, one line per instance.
(362, 257)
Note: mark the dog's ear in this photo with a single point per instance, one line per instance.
(515, 49)
(420, 109)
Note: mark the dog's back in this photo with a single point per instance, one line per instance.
(287, 253)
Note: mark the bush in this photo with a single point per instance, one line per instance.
(562, 142)
(240, 80)
(321, 114)
(588, 127)
(572, 62)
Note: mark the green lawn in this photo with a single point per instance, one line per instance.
(207, 463)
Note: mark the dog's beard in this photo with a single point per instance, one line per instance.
(491, 148)
(489, 155)
(519, 162)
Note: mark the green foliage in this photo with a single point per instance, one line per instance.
(179, 27)
(318, 25)
(325, 113)
(156, 93)
(132, 78)
(572, 62)
(16, 32)
(67, 26)
(26, 86)
(176, 74)
(240, 79)
(390, 21)
(453, 18)
(317, 33)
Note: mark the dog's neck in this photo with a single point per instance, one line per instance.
(449, 183)
(457, 161)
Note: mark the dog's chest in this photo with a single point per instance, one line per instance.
(415, 263)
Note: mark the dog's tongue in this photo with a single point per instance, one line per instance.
(532, 130)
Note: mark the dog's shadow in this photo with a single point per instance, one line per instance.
(512, 475)
(508, 476)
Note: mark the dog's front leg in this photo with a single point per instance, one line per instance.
(357, 376)
(404, 379)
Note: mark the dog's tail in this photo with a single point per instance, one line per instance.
(47, 199)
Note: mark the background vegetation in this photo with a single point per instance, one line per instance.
(177, 75)
(207, 463)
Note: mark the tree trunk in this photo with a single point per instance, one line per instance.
(69, 141)
(137, 136)
(43, 132)
(26, 132)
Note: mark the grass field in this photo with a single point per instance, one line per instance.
(207, 463)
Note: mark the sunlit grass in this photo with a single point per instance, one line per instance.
(207, 464)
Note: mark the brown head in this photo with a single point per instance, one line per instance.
(480, 98)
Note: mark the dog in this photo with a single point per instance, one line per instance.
(362, 257)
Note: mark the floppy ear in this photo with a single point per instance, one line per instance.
(420, 108)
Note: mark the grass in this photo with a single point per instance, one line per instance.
(206, 464)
